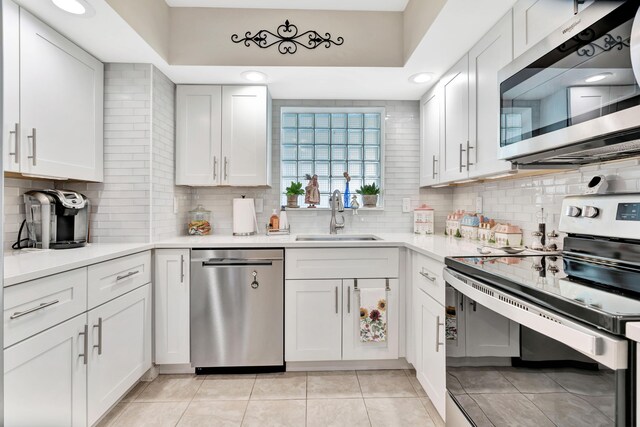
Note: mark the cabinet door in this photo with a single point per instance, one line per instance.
(45, 378)
(353, 348)
(198, 134)
(430, 137)
(455, 122)
(11, 86)
(486, 58)
(534, 20)
(489, 334)
(172, 306)
(119, 349)
(246, 144)
(61, 91)
(430, 350)
(313, 320)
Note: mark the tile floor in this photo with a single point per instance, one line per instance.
(323, 399)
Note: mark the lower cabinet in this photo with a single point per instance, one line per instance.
(171, 306)
(119, 349)
(45, 378)
(322, 320)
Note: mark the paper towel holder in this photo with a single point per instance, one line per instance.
(245, 224)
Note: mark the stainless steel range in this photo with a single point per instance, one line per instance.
(571, 364)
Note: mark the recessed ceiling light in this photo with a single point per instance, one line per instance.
(421, 78)
(598, 77)
(75, 7)
(254, 76)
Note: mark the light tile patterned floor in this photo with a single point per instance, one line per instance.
(299, 399)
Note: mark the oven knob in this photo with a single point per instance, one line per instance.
(590, 211)
(573, 211)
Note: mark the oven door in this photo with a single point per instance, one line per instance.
(576, 86)
(565, 373)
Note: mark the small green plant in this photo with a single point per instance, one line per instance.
(445, 232)
(295, 189)
(458, 234)
(369, 190)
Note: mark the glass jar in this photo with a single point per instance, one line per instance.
(199, 222)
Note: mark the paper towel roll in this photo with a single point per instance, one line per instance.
(244, 217)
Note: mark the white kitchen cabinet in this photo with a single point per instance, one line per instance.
(430, 136)
(246, 136)
(119, 349)
(198, 134)
(171, 306)
(313, 320)
(223, 135)
(11, 85)
(454, 150)
(488, 333)
(45, 378)
(429, 319)
(352, 347)
(61, 105)
(533, 20)
(486, 58)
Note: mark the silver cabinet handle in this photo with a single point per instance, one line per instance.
(469, 148)
(85, 335)
(226, 168)
(348, 299)
(474, 305)
(181, 268)
(32, 137)
(215, 168)
(433, 166)
(16, 152)
(438, 343)
(99, 326)
(336, 300)
(462, 150)
(126, 276)
(427, 276)
(33, 309)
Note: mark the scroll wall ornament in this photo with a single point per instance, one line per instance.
(287, 38)
(608, 42)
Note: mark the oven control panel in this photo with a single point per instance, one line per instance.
(605, 215)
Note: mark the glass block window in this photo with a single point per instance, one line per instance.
(329, 142)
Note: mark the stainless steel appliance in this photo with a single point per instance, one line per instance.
(237, 310)
(575, 365)
(56, 219)
(574, 98)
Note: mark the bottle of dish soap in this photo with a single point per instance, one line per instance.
(284, 222)
(274, 221)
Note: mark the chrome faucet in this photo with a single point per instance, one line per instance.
(334, 225)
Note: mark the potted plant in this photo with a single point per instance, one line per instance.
(369, 193)
(293, 192)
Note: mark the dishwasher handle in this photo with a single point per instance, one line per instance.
(230, 262)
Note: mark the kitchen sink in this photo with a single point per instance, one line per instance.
(337, 238)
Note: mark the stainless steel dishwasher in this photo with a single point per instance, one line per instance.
(237, 310)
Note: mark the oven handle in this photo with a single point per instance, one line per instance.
(606, 349)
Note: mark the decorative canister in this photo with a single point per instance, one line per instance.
(423, 220)
(199, 221)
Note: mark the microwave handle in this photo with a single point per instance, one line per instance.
(635, 46)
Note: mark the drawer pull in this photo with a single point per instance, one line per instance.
(126, 276)
(31, 310)
(428, 276)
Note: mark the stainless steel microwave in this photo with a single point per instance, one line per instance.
(574, 97)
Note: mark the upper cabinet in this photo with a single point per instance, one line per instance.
(533, 20)
(53, 124)
(223, 136)
(430, 136)
(454, 142)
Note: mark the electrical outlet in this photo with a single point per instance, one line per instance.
(478, 204)
(259, 205)
(406, 205)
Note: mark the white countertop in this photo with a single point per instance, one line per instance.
(24, 265)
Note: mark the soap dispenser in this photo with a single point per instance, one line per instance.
(274, 221)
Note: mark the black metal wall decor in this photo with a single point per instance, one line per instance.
(287, 38)
(584, 43)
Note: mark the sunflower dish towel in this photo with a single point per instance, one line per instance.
(373, 315)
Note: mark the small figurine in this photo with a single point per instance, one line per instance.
(354, 204)
(312, 191)
(347, 193)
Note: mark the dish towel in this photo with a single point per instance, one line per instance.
(373, 315)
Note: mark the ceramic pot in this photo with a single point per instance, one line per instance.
(292, 201)
(370, 200)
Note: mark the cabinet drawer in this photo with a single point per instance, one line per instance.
(111, 279)
(427, 276)
(342, 263)
(33, 306)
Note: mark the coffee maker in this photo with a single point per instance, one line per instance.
(56, 219)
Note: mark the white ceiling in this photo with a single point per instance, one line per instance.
(107, 36)
(386, 5)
